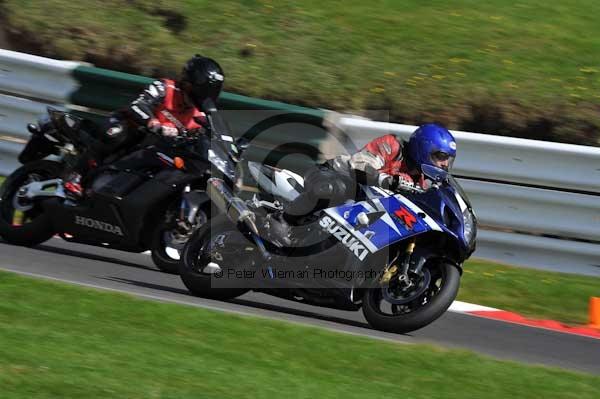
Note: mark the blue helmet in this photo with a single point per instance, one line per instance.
(433, 145)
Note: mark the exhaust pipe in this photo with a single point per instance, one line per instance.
(235, 209)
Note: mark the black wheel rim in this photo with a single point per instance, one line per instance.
(172, 241)
(434, 277)
(203, 251)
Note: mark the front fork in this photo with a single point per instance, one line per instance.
(401, 272)
(184, 206)
(190, 205)
(187, 214)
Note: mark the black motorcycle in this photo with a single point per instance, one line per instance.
(152, 208)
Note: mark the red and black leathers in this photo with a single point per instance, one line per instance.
(380, 162)
(388, 159)
(161, 107)
(165, 103)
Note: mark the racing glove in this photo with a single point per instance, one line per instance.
(157, 128)
(400, 182)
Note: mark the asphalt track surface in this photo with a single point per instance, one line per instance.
(135, 274)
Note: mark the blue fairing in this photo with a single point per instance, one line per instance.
(403, 216)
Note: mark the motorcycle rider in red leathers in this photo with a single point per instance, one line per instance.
(385, 161)
(165, 107)
(430, 144)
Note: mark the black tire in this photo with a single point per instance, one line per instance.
(421, 315)
(163, 261)
(39, 227)
(198, 283)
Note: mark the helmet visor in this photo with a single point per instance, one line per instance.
(442, 160)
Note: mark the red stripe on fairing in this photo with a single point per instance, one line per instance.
(547, 324)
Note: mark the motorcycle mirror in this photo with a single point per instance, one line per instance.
(33, 128)
(435, 174)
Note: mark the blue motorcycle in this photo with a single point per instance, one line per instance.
(396, 255)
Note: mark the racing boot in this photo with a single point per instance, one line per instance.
(72, 186)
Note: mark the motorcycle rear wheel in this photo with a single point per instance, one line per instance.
(36, 226)
(423, 310)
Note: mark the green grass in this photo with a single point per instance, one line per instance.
(496, 66)
(534, 293)
(60, 341)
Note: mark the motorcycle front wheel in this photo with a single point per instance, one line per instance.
(214, 242)
(169, 238)
(389, 310)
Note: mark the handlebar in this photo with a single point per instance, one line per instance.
(405, 186)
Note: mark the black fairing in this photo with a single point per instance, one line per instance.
(130, 202)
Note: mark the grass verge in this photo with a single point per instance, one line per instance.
(534, 293)
(61, 341)
(527, 68)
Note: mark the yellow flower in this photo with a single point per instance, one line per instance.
(460, 74)
(588, 70)
(377, 90)
(438, 77)
(488, 274)
(508, 62)
(457, 60)
(389, 73)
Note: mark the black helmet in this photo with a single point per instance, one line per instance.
(206, 77)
